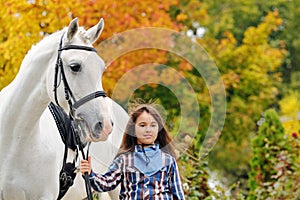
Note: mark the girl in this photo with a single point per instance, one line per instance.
(145, 165)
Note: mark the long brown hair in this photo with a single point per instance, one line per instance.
(129, 140)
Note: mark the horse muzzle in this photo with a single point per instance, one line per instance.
(93, 131)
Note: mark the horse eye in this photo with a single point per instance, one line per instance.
(75, 67)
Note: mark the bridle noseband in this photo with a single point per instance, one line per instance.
(72, 102)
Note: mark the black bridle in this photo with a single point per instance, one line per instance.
(72, 102)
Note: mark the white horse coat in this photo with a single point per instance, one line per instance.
(31, 150)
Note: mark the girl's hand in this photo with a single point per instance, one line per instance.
(85, 166)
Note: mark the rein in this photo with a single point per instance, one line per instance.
(73, 103)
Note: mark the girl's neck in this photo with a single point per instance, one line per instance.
(145, 145)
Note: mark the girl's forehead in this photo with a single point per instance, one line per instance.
(145, 117)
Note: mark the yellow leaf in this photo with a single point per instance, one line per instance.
(181, 17)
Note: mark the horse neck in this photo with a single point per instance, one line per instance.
(24, 100)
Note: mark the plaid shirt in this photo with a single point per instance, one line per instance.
(163, 185)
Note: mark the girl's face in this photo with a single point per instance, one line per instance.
(146, 129)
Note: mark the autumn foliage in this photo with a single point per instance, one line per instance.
(26, 22)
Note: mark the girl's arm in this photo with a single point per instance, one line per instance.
(108, 181)
(175, 182)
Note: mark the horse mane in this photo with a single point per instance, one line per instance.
(48, 41)
(82, 33)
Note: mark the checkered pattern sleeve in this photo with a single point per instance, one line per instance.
(175, 182)
(109, 180)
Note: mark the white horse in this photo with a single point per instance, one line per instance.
(102, 152)
(31, 150)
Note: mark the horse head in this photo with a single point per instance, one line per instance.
(78, 83)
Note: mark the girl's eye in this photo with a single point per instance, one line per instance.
(75, 67)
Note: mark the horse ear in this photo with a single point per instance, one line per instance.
(94, 32)
(72, 29)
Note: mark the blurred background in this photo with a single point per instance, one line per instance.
(255, 46)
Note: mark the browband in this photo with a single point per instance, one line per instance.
(78, 47)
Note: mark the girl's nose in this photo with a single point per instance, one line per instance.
(148, 129)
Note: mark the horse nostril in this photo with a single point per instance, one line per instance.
(98, 127)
